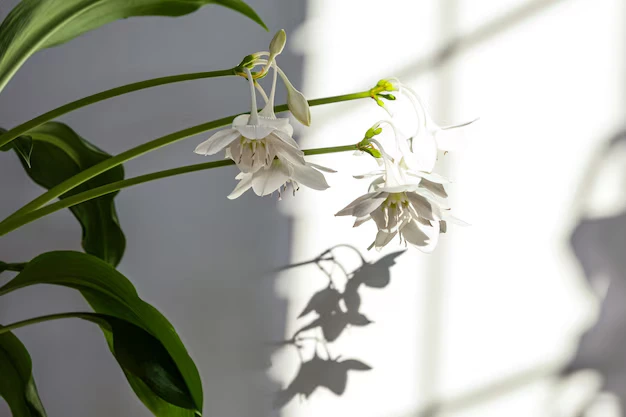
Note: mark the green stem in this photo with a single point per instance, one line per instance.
(104, 95)
(332, 149)
(18, 221)
(119, 159)
(93, 317)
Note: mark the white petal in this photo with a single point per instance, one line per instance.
(379, 218)
(439, 201)
(246, 159)
(376, 183)
(349, 209)
(414, 235)
(393, 219)
(285, 151)
(282, 124)
(424, 153)
(322, 168)
(241, 120)
(254, 131)
(393, 175)
(369, 174)
(432, 231)
(286, 138)
(421, 205)
(453, 138)
(430, 176)
(360, 220)
(217, 142)
(309, 177)
(434, 188)
(367, 206)
(399, 188)
(455, 220)
(382, 238)
(268, 180)
(244, 185)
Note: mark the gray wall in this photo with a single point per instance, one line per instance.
(197, 256)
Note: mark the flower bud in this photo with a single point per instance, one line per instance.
(297, 103)
(278, 43)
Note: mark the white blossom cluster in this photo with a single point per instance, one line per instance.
(406, 198)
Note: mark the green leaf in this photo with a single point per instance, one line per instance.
(59, 153)
(109, 292)
(17, 386)
(38, 24)
(23, 145)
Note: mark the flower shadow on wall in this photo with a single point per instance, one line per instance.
(598, 244)
(335, 309)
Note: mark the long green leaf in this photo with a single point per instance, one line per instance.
(58, 153)
(17, 386)
(109, 292)
(138, 352)
(37, 24)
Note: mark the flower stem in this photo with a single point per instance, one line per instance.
(104, 95)
(332, 149)
(132, 153)
(17, 221)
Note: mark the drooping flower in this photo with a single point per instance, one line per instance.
(278, 176)
(402, 203)
(260, 143)
(429, 137)
(255, 139)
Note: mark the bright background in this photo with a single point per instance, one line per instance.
(480, 328)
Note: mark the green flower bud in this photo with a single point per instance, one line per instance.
(374, 152)
(278, 43)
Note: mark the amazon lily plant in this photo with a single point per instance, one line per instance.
(406, 198)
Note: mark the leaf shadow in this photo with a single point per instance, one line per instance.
(331, 374)
(598, 244)
(332, 309)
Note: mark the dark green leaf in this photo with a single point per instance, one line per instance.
(23, 145)
(109, 292)
(58, 153)
(38, 24)
(17, 386)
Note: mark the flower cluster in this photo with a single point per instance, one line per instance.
(406, 198)
(260, 144)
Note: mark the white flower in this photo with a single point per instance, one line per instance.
(401, 204)
(416, 164)
(428, 137)
(254, 140)
(260, 143)
(277, 176)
